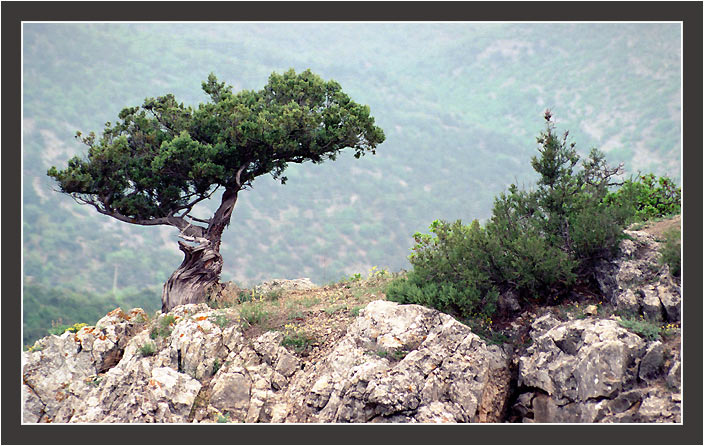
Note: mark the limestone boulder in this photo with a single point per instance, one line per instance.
(62, 369)
(591, 370)
(403, 363)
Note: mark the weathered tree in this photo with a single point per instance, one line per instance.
(160, 159)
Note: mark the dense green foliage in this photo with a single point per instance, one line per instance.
(457, 101)
(650, 197)
(451, 271)
(537, 243)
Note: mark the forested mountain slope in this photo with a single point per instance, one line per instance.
(460, 105)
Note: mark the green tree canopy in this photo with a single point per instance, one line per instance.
(162, 158)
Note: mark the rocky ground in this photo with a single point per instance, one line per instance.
(289, 351)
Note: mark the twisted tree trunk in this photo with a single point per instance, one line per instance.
(202, 263)
(199, 270)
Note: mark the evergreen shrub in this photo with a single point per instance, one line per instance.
(537, 243)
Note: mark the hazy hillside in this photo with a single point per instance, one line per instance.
(460, 104)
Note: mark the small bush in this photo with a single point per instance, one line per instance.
(670, 252)
(147, 349)
(647, 197)
(450, 271)
(296, 338)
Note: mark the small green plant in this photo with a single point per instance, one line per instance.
(224, 418)
(670, 252)
(244, 296)
(482, 327)
(221, 320)
(216, 366)
(381, 353)
(58, 328)
(163, 328)
(253, 313)
(669, 330)
(356, 277)
(296, 338)
(96, 381)
(399, 354)
(147, 349)
(644, 328)
(354, 311)
(36, 347)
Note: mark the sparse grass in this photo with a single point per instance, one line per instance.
(216, 366)
(482, 328)
(335, 308)
(310, 301)
(253, 313)
(163, 327)
(354, 311)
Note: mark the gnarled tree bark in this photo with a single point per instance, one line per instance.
(202, 263)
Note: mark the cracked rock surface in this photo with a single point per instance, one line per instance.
(593, 370)
(403, 363)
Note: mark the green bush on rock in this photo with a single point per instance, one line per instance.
(647, 197)
(537, 243)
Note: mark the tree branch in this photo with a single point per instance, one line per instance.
(170, 220)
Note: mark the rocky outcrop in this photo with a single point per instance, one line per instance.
(635, 281)
(396, 363)
(61, 370)
(404, 363)
(593, 370)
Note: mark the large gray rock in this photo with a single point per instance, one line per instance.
(250, 386)
(590, 370)
(403, 363)
(58, 374)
